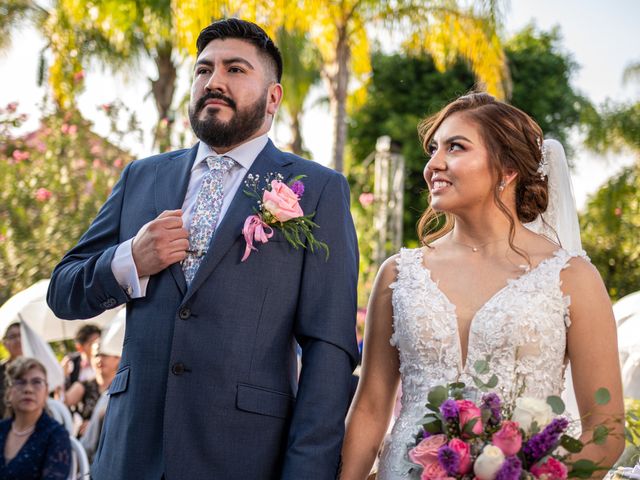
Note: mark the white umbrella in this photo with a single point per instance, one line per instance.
(627, 313)
(30, 306)
(35, 347)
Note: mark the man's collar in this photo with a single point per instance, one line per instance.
(244, 154)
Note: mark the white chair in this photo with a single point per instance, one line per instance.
(60, 413)
(79, 462)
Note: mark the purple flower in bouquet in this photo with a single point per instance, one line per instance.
(491, 401)
(510, 469)
(449, 460)
(422, 434)
(544, 442)
(298, 188)
(449, 410)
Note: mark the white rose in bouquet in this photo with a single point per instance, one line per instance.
(529, 410)
(488, 463)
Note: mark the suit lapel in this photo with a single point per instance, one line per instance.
(270, 160)
(172, 180)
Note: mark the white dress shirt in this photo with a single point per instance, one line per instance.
(123, 266)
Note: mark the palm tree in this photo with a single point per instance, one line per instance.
(119, 34)
(302, 61)
(340, 30)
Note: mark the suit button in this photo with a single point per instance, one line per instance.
(184, 313)
(110, 302)
(178, 368)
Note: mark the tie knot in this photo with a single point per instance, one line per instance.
(220, 162)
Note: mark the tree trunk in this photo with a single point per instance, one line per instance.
(336, 76)
(296, 136)
(163, 90)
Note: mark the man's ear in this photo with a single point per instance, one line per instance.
(274, 97)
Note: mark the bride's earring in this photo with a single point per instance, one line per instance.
(502, 185)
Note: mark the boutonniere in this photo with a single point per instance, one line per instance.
(279, 207)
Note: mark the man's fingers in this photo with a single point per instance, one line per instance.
(170, 213)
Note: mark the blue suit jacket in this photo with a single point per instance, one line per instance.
(207, 386)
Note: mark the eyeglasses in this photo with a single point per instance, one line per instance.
(36, 383)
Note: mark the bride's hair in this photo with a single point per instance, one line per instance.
(513, 141)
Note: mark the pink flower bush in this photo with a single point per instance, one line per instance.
(281, 202)
(366, 199)
(508, 438)
(552, 469)
(469, 411)
(20, 155)
(42, 194)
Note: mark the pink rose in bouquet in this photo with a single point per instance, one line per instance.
(426, 452)
(508, 438)
(281, 202)
(552, 469)
(469, 411)
(464, 454)
(434, 471)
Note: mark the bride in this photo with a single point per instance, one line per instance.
(484, 285)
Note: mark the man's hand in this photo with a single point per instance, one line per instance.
(160, 243)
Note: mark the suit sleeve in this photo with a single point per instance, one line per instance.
(82, 284)
(325, 329)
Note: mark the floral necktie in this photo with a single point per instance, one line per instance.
(206, 213)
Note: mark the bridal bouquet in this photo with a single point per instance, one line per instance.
(488, 439)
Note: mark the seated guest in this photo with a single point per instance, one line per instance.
(12, 341)
(77, 366)
(32, 444)
(107, 353)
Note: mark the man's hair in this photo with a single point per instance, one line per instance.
(86, 332)
(243, 30)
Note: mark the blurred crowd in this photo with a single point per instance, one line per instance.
(33, 445)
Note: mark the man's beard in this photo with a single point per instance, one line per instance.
(239, 128)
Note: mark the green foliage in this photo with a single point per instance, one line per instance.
(541, 75)
(614, 127)
(610, 226)
(52, 183)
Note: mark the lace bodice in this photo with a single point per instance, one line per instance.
(522, 328)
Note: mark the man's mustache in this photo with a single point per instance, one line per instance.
(214, 96)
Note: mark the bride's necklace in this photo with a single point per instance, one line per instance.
(22, 433)
(476, 248)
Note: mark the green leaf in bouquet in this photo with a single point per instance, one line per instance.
(481, 367)
(534, 428)
(556, 403)
(570, 444)
(432, 407)
(602, 396)
(457, 386)
(486, 415)
(583, 469)
(437, 395)
(468, 427)
(493, 381)
(600, 434)
(433, 426)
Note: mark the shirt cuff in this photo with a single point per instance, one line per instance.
(125, 272)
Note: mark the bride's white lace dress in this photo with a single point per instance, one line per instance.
(522, 328)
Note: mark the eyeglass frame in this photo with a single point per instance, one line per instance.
(36, 383)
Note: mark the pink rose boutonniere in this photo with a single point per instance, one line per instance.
(279, 207)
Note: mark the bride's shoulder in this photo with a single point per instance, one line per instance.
(580, 276)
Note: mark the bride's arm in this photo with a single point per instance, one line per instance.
(593, 351)
(371, 409)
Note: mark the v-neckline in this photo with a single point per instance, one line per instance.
(462, 362)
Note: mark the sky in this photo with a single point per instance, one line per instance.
(601, 37)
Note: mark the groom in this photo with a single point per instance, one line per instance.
(208, 384)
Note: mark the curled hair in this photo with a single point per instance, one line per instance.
(247, 31)
(511, 138)
(18, 369)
